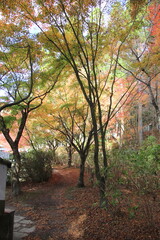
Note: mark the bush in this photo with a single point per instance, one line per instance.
(148, 158)
(37, 166)
(139, 167)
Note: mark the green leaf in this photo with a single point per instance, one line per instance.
(9, 120)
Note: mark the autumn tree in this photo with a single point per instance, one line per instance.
(67, 118)
(79, 35)
(144, 56)
(73, 122)
(21, 85)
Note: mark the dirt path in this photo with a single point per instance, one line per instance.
(61, 211)
(51, 204)
(45, 205)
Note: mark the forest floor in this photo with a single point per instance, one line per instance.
(61, 211)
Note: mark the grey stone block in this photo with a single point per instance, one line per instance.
(27, 230)
(26, 221)
(16, 225)
(18, 218)
(19, 235)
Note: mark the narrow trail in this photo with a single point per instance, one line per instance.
(44, 204)
(58, 190)
(60, 211)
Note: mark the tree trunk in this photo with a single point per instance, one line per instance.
(157, 121)
(81, 174)
(121, 132)
(102, 190)
(102, 184)
(70, 156)
(156, 107)
(140, 124)
(101, 179)
(16, 189)
(14, 146)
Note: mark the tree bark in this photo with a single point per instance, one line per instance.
(81, 174)
(14, 146)
(16, 188)
(156, 107)
(102, 190)
(140, 124)
(101, 179)
(70, 156)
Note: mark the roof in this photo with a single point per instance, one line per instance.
(5, 162)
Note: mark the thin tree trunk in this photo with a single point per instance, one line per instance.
(156, 107)
(102, 190)
(103, 199)
(121, 130)
(14, 146)
(16, 189)
(81, 174)
(140, 124)
(101, 179)
(70, 156)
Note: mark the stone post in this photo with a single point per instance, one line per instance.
(3, 178)
(6, 216)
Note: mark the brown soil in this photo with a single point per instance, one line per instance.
(61, 211)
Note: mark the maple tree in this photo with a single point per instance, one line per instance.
(73, 122)
(107, 68)
(78, 37)
(76, 32)
(79, 136)
(144, 57)
(87, 65)
(68, 120)
(19, 79)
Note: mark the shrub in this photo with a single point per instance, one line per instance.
(148, 158)
(139, 166)
(138, 169)
(36, 165)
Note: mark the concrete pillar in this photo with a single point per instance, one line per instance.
(6, 216)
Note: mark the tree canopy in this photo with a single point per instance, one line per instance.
(91, 63)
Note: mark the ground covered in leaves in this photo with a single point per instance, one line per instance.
(61, 211)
